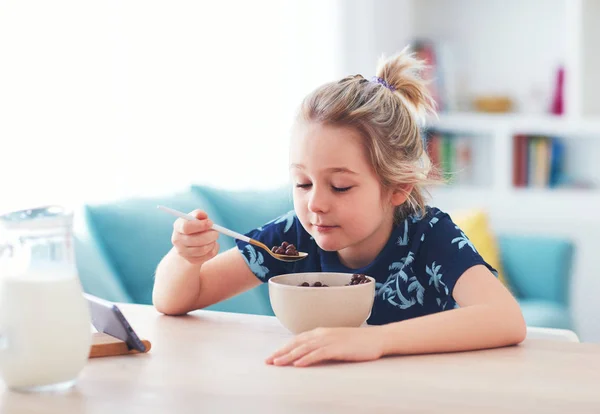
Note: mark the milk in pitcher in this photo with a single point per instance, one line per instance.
(44, 331)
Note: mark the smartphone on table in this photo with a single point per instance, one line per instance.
(108, 319)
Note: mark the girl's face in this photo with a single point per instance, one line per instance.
(337, 196)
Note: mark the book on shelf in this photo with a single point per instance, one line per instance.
(426, 51)
(538, 161)
(441, 72)
(451, 155)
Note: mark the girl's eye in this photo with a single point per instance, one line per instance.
(336, 189)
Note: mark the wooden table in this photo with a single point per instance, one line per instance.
(210, 362)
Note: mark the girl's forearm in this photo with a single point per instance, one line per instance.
(176, 285)
(463, 329)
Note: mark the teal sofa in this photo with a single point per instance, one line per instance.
(118, 246)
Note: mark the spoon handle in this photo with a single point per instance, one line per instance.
(216, 227)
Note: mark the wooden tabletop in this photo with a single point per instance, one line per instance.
(210, 362)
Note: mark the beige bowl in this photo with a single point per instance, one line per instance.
(301, 308)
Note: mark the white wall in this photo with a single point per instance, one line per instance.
(110, 99)
(590, 57)
(371, 29)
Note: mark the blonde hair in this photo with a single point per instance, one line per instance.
(387, 114)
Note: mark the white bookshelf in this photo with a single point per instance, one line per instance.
(473, 122)
(514, 48)
(492, 147)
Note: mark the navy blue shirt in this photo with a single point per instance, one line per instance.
(415, 272)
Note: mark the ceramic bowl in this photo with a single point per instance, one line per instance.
(301, 308)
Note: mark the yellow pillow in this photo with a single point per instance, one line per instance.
(475, 225)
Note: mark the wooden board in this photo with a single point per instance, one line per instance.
(105, 345)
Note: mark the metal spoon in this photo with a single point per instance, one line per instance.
(227, 232)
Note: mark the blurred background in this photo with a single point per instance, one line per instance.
(109, 106)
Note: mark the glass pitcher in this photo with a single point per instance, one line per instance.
(45, 326)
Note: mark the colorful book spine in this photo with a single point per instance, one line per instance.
(452, 156)
(537, 161)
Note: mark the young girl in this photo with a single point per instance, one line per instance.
(359, 169)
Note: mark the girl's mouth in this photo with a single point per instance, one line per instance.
(323, 229)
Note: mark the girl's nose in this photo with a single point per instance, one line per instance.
(318, 200)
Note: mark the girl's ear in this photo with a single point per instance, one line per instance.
(401, 194)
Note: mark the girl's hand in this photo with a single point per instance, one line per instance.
(194, 240)
(330, 344)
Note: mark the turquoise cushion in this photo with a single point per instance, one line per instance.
(134, 235)
(546, 314)
(96, 271)
(537, 267)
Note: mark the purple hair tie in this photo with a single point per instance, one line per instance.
(376, 79)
